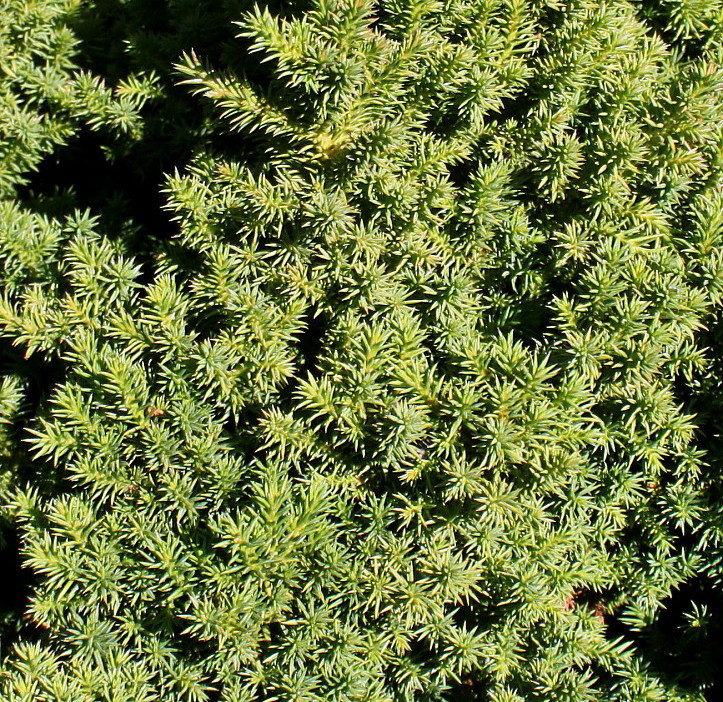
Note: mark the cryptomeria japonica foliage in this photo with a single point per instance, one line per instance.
(413, 396)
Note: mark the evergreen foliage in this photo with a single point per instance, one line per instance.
(420, 399)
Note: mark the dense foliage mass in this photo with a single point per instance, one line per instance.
(360, 350)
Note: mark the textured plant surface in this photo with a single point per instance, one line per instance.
(361, 350)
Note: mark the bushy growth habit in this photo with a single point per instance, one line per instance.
(412, 400)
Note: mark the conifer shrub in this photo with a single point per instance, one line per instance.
(410, 389)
